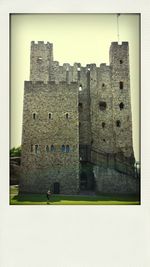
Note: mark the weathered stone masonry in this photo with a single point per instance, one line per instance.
(77, 125)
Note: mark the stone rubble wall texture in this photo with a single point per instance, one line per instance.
(91, 133)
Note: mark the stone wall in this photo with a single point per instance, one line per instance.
(109, 181)
(50, 125)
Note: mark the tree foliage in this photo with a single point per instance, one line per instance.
(15, 151)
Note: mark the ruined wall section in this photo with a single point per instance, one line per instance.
(120, 82)
(50, 121)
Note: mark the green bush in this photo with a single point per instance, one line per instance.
(15, 152)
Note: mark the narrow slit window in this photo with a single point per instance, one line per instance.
(121, 61)
(31, 148)
(79, 73)
(103, 125)
(80, 106)
(49, 115)
(103, 85)
(80, 88)
(118, 123)
(67, 75)
(121, 105)
(67, 115)
(34, 116)
(121, 85)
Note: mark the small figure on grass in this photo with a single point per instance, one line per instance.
(48, 196)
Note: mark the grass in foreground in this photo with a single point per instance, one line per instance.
(40, 199)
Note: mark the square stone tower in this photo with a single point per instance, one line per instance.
(50, 137)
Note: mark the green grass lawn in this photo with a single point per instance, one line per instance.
(39, 199)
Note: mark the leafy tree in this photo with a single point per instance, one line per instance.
(15, 151)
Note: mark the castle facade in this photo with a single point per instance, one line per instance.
(77, 125)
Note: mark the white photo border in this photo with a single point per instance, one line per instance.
(84, 236)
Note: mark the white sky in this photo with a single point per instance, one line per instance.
(83, 38)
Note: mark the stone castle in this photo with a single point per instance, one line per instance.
(77, 125)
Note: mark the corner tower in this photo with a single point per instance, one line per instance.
(121, 106)
(41, 58)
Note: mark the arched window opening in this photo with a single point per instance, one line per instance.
(121, 61)
(67, 115)
(102, 105)
(52, 148)
(118, 123)
(103, 85)
(63, 148)
(121, 85)
(103, 125)
(121, 105)
(49, 115)
(80, 88)
(36, 149)
(67, 148)
(47, 148)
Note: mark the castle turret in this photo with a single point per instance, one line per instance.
(41, 58)
(121, 107)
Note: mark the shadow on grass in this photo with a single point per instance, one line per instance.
(63, 198)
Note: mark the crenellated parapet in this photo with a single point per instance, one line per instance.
(50, 86)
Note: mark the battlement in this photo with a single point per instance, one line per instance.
(50, 85)
(113, 44)
(40, 43)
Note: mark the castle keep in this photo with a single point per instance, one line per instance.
(77, 125)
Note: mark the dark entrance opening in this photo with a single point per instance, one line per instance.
(56, 188)
(83, 181)
(87, 179)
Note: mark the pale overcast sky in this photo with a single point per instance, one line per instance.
(83, 38)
